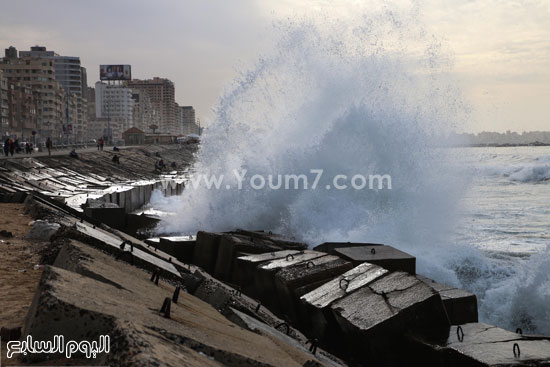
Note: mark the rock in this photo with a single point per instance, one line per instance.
(42, 230)
(5, 233)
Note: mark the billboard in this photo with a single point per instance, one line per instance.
(115, 72)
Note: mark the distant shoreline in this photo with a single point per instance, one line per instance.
(492, 145)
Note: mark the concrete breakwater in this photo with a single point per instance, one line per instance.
(105, 190)
(200, 297)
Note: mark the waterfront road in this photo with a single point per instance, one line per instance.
(60, 152)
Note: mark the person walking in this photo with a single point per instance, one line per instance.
(49, 145)
(7, 147)
(12, 147)
(101, 143)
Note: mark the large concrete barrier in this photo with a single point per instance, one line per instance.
(231, 246)
(181, 247)
(246, 266)
(373, 320)
(294, 281)
(461, 306)
(315, 309)
(206, 250)
(481, 345)
(385, 256)
(264, 278)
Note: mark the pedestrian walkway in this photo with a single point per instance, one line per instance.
(60, 152)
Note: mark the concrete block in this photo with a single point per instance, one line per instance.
(329, 247)
(478, 344)
(135, 200)
(461, 306)
(245, 267)
(206, 250)
(385, 256)
(264, 279)
(278, 240)
(231, 246)
(113, 217)
(181, 247)
(318, 318)
(372, 321)
(148, 189)
(289, 279)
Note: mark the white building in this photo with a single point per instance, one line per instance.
(115, 103)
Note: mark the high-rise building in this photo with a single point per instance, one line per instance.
(39, 75)
(115, 103)
(187, 121)
(145, 114)
(72, 78)
(4, 107)
(22, 109)
(162, 94)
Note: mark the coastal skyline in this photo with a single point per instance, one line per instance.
(500, 51)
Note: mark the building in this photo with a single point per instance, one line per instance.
(133, 136)
(187, 121)
(73, 79)
(157, 138)
(39, 75)
(144, 112)
(115, 103)
(97, 128)
(21, 110)
(4, 107)
(162, 95)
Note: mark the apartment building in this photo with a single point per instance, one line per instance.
(162, 95)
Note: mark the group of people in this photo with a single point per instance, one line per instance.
(100, 143)
(12, 146)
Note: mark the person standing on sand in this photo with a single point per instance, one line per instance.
(7, 147)
(49, 145)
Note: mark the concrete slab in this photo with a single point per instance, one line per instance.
(278, 240)
(372, 321)
(245, 268)
(206, 250)
(385, 256)
(229, 248)
(290, 279)
(264, 276)
(461, 306)
(257, 326)
(113, 244)
(181, 247)
(479, 344)
(329, 247)
(113, 217)
(317, 317)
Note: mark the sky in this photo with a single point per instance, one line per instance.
(500, 49)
